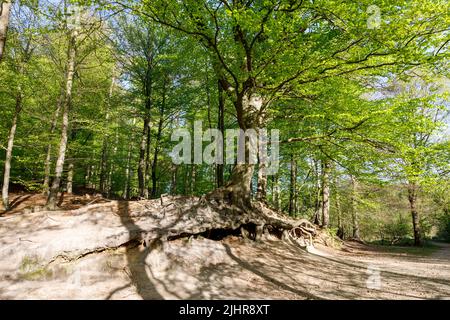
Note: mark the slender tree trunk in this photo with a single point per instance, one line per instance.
(142, 163)
(340, 232)
(147, 165)
(5, 9)
(104, 160)
(70, 178)
(276, 199)
(47, 168)
(354, 199)
(173, 185)
(221, 127)
(326, 194)
(412, 197)
(144, 153)
(9, 150)
(126, 194)
(293, 186)
(126, 189)
(317, 200)
(70, 71)
(158, 140)
(193, 178)
(186, 181)
(87, 177)
(111, 166)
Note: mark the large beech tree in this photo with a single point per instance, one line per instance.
(264, 49)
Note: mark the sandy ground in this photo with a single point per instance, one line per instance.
(232, 268)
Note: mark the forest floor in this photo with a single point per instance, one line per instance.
(41, 258)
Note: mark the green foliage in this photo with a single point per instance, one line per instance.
(396, 230)
(373, 101)
(444, 227)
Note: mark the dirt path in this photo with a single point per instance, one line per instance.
(237, 269)
(443, 253)
(37, 262)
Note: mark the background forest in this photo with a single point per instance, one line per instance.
(90, 93)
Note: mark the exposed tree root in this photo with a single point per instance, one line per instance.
(73, 234)
(215, 218)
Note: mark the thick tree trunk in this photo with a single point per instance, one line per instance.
(412, 197)
(238, 190)
(326, 194)
(9, 150)
(70, 71)
(293, 186)
(5, 9)
(354, 199)
(239, 186)
(47, 166)
(261, 191)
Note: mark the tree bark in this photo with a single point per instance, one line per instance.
(221, 127)
(70, 178)
(145, 140)
(126, 192)
(9, 150)
(354, 200)
(276, 199)
(142, 162)
(47, 168)
(340, 232)
(111, 166)
(70, 71)
(238, 190)
(5, 9)
(293, 186)
(173, 185)
(261, 192)
(326, 194)
(412, 197)
(104, 159)
(158, 139)
(193, 179)
(317, 200)
(126, 187)
(147, 164)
